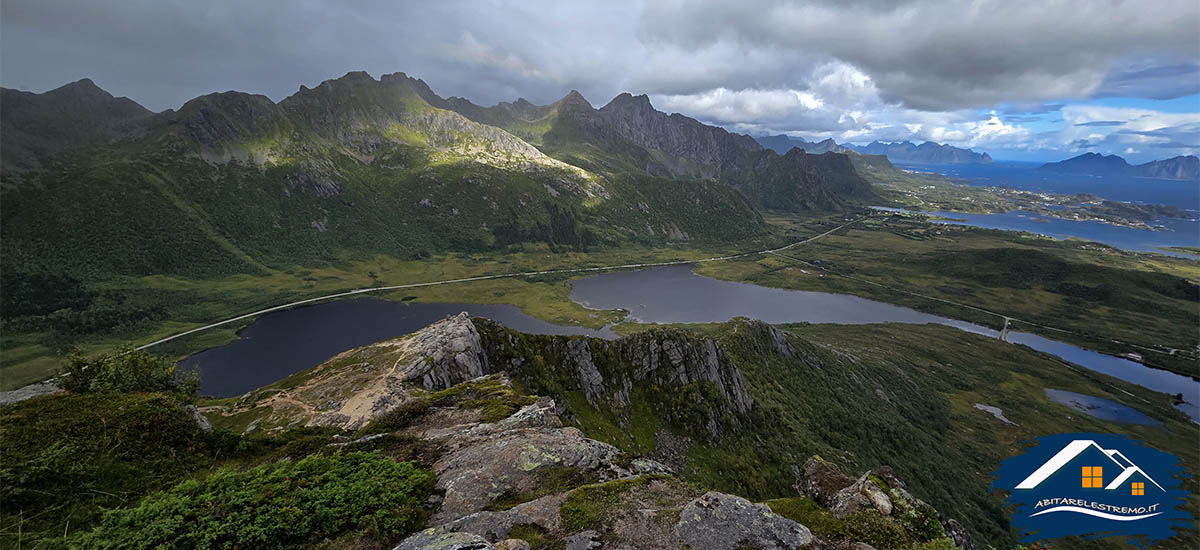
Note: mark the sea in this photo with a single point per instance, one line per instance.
(1025, 176)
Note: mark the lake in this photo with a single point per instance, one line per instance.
(282, 343)
(676, 294)
(1099, 407)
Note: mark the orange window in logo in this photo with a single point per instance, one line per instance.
(1139, 489)
(1093, 477)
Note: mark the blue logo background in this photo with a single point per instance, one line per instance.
(1067, 482)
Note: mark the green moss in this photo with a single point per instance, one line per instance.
(549, 480)
(493, 398)
(592, 506)
(808, 513)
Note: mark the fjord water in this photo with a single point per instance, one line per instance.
(1176, 232)
(287, 342)
(1025, 176)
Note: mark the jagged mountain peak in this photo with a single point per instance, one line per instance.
(83, 87)
(627, 100)
(573, 97)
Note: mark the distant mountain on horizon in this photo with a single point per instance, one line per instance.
(1095, 164)
(901, 151)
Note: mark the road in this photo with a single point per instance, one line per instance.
(489, 277)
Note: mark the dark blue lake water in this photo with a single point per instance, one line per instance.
(286, 342)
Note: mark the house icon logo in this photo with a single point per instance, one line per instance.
(1094, 485)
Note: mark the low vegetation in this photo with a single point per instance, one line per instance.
(278, 505)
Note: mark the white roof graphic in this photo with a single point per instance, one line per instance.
(1072, 450)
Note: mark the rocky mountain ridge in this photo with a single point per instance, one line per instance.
(628, 133)
(903, 151)
(352, 168)
(512, 472)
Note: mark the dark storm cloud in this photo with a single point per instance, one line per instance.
(163, 52)
(1155, 82)
(853, 70)
(946, 54)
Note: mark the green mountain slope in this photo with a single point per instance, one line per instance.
(69, 118)
(234, 183)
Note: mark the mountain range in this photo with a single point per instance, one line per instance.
(1176, 168)
(901, 151)
(231, 182)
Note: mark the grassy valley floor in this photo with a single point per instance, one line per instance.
(1148, 302)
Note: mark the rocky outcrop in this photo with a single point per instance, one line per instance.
(445, 354)
(434, 539)
(876, 491)
(607, 371)
(480, 467)
(724, 522)
(821, 481)
(355, 386)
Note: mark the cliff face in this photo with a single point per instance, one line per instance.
(1177, 168)
(689, 380)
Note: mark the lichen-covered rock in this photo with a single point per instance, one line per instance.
(496, 525)
(435, 539)
(584, 540)
(861, 494)
(717, 521)
(821, 481)
(445, 353)
(511, 544)
(957, 533)
(201, 421)
(481, 462)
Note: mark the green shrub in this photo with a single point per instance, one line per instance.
(123, 371)
(67, 456)
(275, 505)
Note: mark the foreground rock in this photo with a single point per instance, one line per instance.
(876, 491)
(725, 522)
(28, 392)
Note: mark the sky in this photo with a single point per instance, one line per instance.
(1022, 80)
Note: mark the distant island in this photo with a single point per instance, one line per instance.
(901, 151)
(1095, 164)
